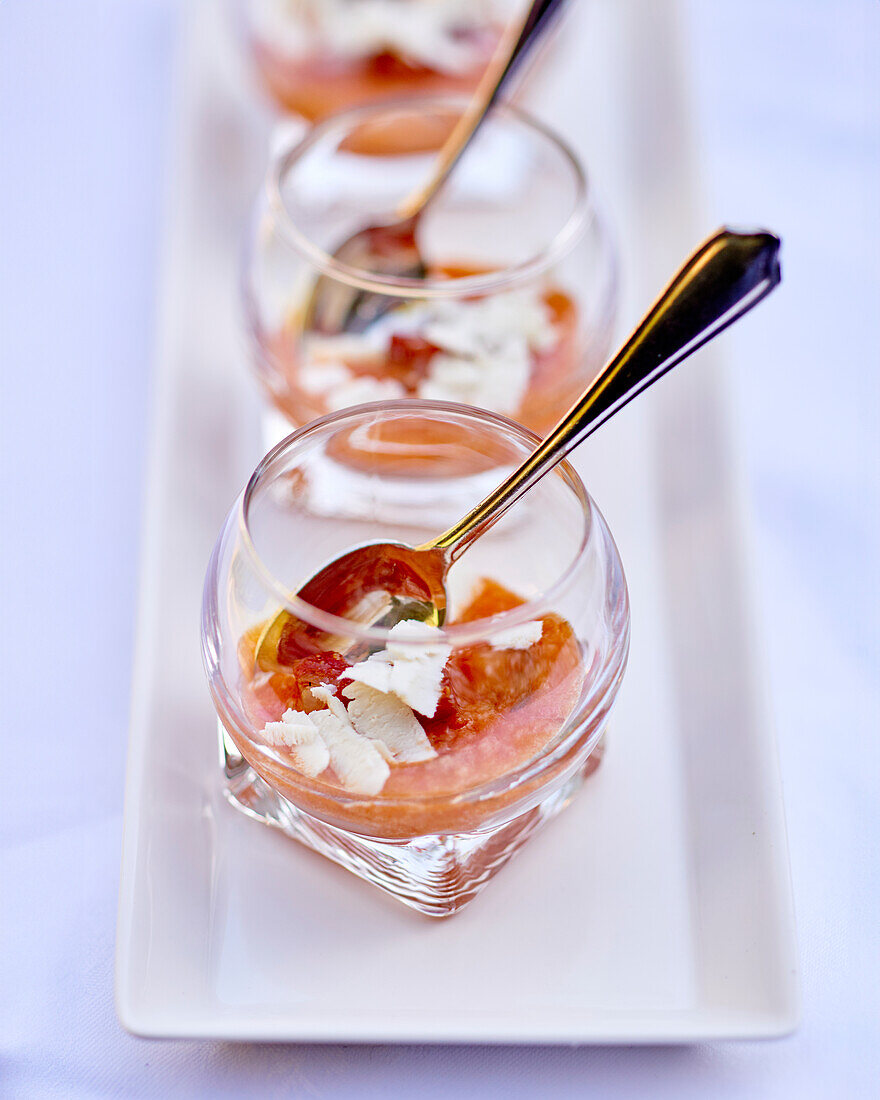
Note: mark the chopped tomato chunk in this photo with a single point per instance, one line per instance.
(408, 358)
(293, 688)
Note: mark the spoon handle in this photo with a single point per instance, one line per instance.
(727, 275)
(516, 41)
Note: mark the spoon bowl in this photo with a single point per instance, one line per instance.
(378, 584)
(391, 250)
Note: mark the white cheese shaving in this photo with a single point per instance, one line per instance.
(320, 378)
(519, 637)
(412, 672)
(388, 720)
(486, 349)
(471, 327)
(485, 358)
(497, 382)
(342, 348)
(375, 672)
(298, 735)
(358, 764)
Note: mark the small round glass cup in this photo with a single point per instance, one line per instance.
(535, 646)
(316, 57)
(516, 312)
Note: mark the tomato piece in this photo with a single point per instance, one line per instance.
(388, 65)
(480, 683)
(293, 689)
(408, 358)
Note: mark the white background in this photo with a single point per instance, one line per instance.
(789, 115)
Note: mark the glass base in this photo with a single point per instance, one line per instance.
(437, 875)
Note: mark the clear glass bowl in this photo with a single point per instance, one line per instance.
(316, 57)
(517, 311)
(531, 669)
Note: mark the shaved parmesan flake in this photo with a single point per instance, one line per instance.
(299, 737)
(486, 348)
(414, 630)
(358, 764)
(320, 378)
(519, 637)
(412, 672)
(387, 720)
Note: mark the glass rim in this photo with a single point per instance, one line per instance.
(284, 159)
(455, 633)
(573, 741)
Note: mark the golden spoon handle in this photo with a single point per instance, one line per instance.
(518, 37)
(727, 275)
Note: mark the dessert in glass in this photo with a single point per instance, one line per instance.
(316, 57)
(420, 757)
(515, 313)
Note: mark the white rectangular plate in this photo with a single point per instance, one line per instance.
(657, 908)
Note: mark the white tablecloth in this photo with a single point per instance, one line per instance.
(790, 119)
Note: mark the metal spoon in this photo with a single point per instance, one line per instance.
(391, 249)
(382, 583)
